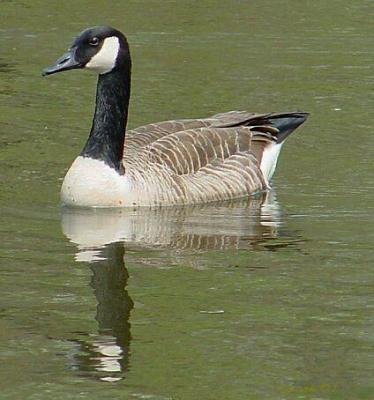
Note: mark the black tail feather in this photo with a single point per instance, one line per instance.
(286, 123)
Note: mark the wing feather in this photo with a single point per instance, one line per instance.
(202, 160)
(188, 151)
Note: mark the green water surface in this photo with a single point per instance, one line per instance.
(270, 298)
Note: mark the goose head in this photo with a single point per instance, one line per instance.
(100, 49)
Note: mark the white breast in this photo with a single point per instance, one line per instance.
(92, 183)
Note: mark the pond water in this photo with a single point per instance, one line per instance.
(270, 298)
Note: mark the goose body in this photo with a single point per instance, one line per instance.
(190, 161)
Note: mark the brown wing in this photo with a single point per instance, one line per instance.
(188, 151)
(198, 161)
(147, 134)
(212, 164)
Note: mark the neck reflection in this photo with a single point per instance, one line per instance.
(106, 355)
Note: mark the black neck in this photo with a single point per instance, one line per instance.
(107, 135)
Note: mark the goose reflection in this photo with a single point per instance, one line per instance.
(211, 226)
(102, 235)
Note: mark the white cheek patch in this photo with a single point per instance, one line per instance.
(105, 60)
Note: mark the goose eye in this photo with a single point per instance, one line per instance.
(93, 41)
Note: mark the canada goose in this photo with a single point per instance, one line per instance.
(189, 161)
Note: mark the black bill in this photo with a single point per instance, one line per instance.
(64, 63)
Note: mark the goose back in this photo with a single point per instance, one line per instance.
(199, 160)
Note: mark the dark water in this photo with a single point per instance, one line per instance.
(266, 299)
